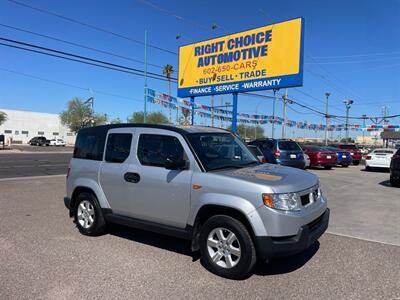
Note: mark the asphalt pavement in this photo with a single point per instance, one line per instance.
(42, 254)
(33, 164)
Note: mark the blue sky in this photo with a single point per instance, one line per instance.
(352, 50)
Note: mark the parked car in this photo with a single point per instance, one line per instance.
(176, 181)
(57, 142)
(320, 157)
(39, 141)
(306, 160)
(379, 158)
(343, 158)
(287, 152)
(395, 169)
(354, 151)
(266, 154)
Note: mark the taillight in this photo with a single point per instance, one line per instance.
(368, 157)
(277, 153)
(69, 169)
(396, 157)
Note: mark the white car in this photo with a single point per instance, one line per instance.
(379, 158)
(57, 142)
(306, 160)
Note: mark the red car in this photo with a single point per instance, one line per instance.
(320, 157)
(354, 152)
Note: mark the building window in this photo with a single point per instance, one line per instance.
(7, 131)
(40, 133)
(24, 132)
(16, 132)
(55, 133)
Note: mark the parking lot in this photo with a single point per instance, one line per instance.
(42, 254)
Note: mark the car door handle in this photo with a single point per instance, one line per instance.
(132, 177)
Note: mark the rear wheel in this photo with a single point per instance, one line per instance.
(368, 168)
(88, 216)
(345, 166)
(226, 247)
(356, 163)
(394, 182)
(328, 167)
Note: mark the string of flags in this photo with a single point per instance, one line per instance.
(385, 127)
(205, 111)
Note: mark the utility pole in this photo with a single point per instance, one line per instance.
(273, 113)
(364, 117)
(212, 111)
(220, 117)
(326, 118)
(227, 114)
(348, 104)
(385, 112)
(284, 113)
(145, 78)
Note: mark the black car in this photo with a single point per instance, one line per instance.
(286, 152)
(263, 155)
(395, 169)
(39, 141)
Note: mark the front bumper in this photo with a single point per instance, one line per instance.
(270, 247)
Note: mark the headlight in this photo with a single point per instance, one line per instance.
(288, 201)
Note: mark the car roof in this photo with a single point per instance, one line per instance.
(184, 130)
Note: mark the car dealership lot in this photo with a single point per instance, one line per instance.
(42, 255)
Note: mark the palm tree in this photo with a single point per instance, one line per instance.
(167, 72)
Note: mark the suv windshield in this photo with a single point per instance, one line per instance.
(288, 145)
(221, 150)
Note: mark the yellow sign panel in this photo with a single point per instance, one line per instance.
(268, 57)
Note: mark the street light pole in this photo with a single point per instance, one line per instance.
(273, 114)
(326, 118)
(145, 78)
(284, 113)
(348, 104)
(364, 117)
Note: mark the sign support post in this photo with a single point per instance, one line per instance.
(234, 112)
(192, 112)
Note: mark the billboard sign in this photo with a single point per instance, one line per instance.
(268, 57)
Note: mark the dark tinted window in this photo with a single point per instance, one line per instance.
(154, 149)
(90, 144)
(118, 147)
(382, 151)
(255, 151)
(288, 145)
(267, 144)
(348, 147)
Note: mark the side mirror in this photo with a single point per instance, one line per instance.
(174, 163)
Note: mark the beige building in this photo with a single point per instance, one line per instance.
(21, 126)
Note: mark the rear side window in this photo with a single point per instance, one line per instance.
(267, 145)
(118, 147)
(383, 151)
(352, 147)
(288, 145)
(154, 149)
(90, 145)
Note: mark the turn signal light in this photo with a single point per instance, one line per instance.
(268, 201)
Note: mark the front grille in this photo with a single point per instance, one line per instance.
(309, 197)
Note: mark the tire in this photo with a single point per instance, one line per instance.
(356, 163)
(88, 216)
(368, 168)
(328, 167)
(237, 267)
(394, 182)
(345, 166)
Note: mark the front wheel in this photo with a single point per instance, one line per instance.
(226, 247)
(356, 163)
(88, 216)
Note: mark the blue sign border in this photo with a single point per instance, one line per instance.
(292, 80)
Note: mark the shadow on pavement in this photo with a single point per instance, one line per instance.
(376, 170)
(165, 242)
(274, 267)
(386, 183)
(286, 264)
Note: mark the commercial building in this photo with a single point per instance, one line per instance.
(21, 126)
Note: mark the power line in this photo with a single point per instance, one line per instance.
(91, 26)
(80, 61)
(79, 45)
(154, 75)
(359, 55)
(350, 62)
(69, 85)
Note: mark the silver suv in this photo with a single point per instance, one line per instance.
(197, 183)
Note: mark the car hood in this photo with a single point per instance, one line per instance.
(279, 179)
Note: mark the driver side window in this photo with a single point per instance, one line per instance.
(154, 149)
